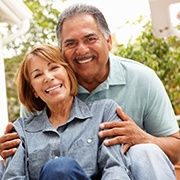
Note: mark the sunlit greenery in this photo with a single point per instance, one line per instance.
(160, 54)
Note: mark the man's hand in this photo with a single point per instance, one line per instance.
(9, 142)
(125, 132)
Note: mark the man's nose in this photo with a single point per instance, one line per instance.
(82, 48)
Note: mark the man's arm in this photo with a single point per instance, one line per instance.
(9, 142)
(129, 134)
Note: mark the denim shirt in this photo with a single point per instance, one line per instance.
(77, 138)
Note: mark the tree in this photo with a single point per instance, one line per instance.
(42, 30)
(162, 55)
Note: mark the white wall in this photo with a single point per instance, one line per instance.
(3, 95)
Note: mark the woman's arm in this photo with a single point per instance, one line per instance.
(16, 165)
(112, 163)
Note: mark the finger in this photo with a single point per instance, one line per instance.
(114, 141)
(9, 128)
(9, 137)
(111, 132)
(7, 153)
(8, 148)
(121, 114)
(8, 141)
(125, 148)
(110, 125)
(11, 144)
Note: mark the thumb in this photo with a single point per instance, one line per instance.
(121, 114)
(9, 128)
(125, 148)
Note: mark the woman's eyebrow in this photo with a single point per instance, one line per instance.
(35, 70)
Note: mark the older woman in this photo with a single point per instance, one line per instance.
(62, 142)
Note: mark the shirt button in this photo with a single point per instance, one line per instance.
(89, 141)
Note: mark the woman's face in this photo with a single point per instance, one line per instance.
(49, 80)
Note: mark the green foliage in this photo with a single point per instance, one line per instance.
(11, 66)
(42, 30)
(42, 27)
(162, 55)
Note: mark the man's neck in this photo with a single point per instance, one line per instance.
(91, 84)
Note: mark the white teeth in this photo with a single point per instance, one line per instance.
(85, 61)
(53, 88)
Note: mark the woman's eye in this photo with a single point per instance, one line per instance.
(54, 67)
(37, 75)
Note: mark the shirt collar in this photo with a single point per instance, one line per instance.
(79, 110)
(116, 74)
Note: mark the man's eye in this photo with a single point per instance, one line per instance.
(91, 40)
(70, 44)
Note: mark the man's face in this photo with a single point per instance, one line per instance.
(84, 47)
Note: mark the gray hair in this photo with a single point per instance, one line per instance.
(77, 9)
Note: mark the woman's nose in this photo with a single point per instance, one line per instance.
(48, 77)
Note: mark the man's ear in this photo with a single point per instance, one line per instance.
(109, 41)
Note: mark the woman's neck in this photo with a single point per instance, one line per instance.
(60, 113)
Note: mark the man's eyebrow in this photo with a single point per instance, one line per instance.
(89, 35)
(69, 40)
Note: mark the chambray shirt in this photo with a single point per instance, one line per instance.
(77, 138)
(139, 92)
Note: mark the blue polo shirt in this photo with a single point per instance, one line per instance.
(139, 92)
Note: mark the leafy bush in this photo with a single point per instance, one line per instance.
(162, 55)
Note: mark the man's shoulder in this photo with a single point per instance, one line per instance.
(130, 67)
(127, 62)
(102, 103)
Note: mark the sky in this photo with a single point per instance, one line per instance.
(118, 12)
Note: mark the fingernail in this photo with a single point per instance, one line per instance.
(101, 126)
(106, 142)
(100, 134)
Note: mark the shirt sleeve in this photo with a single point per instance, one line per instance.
(25, 113)
(159, 118)
(111, 162)
(2, 168)
(15, 166)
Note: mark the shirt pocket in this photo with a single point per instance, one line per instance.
(84, 151)
(36, 161)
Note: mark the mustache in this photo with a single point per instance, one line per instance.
(86, 56)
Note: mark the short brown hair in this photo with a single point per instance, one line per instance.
(24, 88)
